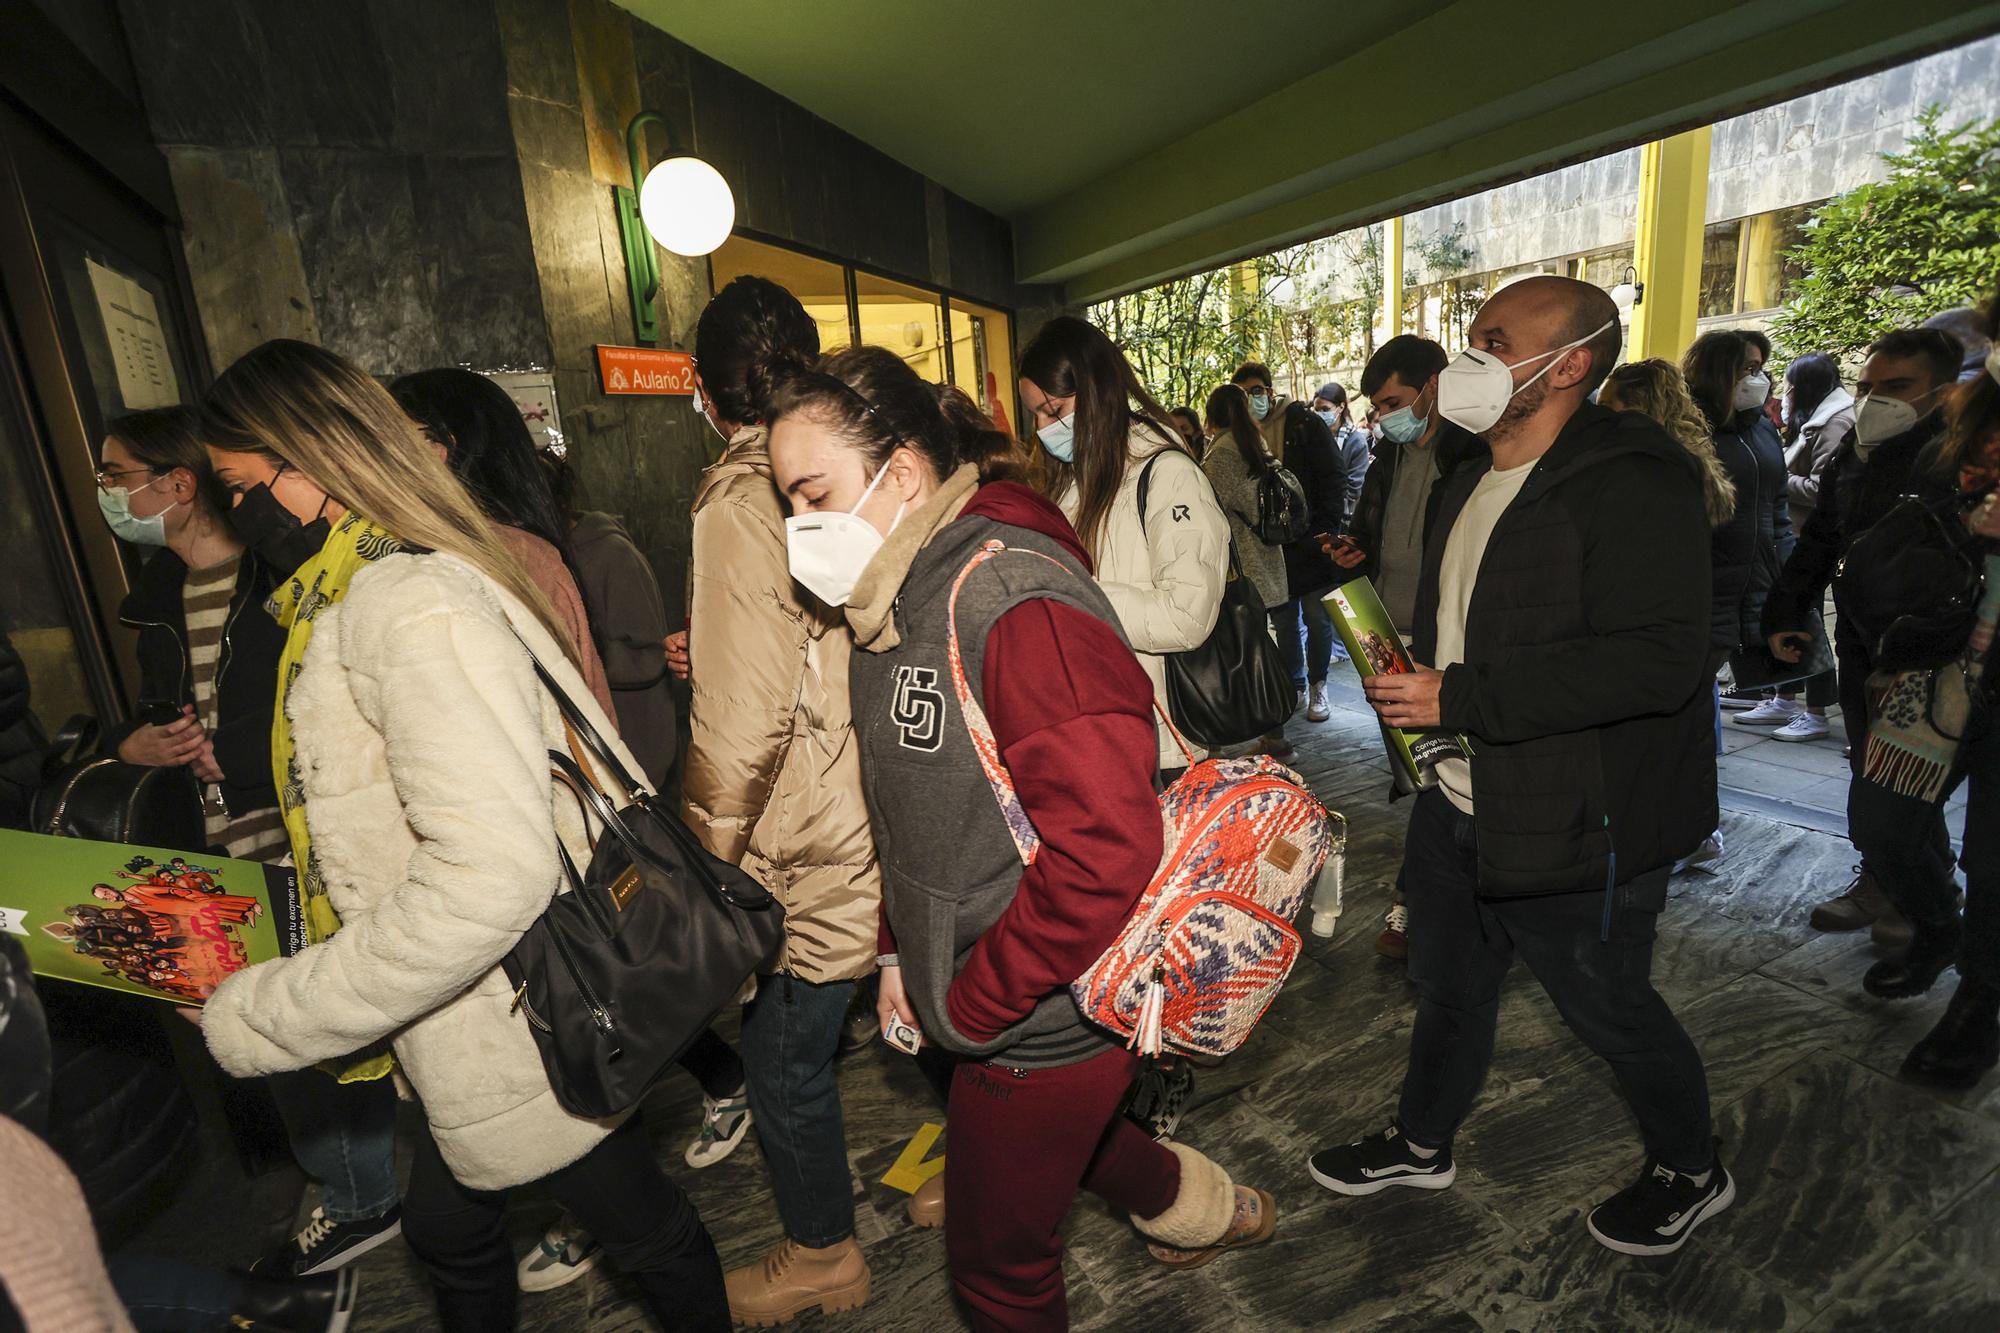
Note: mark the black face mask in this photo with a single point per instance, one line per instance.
(274, 532)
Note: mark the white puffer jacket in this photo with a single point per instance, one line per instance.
(423, 741)
(1164, 576)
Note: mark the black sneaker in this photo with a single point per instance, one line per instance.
(1657, 1213)
(1160, 1095)
(1379, 1161)
(325, 1245)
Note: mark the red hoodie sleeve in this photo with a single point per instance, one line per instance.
(1072, 712)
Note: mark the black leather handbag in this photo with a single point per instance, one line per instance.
(1282, 512)
(83, 795)
(1911, 583)
(1235, 687)
(654, 937)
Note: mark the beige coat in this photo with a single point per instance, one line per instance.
(1164, 576)
(423, 740)
(773, 777)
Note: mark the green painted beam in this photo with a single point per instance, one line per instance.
(1268, 176)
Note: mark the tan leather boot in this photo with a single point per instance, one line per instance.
(1855, 907)
(791, 1279)
(927, 1204)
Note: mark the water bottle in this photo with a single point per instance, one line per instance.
(1327, 888)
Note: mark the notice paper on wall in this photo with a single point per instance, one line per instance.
(138, 341)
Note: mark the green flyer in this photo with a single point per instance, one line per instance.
(143, 920)
(1377, 650)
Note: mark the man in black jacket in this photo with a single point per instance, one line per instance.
(1565, 598)
(1899, 414)
(1304, 444)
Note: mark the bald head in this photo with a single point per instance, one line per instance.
(1539, 314)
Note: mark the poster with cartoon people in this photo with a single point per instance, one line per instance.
(1377, 650)
(144, 920)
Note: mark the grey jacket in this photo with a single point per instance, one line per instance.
(949, 863)
(628, 620)
(1236, 491)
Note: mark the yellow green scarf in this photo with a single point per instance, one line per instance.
(352, 546)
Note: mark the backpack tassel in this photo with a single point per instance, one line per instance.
(1152, 1012)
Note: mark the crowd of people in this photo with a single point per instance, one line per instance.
(360, 597)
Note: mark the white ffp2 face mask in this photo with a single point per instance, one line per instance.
(1474, 390)
(827, 551)
(1751, 392)
(1878, 419)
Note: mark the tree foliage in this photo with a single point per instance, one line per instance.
(1893, 253)
(1187, 336)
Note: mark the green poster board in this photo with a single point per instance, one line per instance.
(142, 920)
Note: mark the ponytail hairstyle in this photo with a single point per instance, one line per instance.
(751, 323)
(1654, 388)
(1228, 411)
(1071, 357)
(873, 402)
(294, 403)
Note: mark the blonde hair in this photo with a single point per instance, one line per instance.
(295, 403)
(1657, 389)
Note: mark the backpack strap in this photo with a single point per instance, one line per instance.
(1026, 841)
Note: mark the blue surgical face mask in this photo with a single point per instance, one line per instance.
(1330, 416)
(1403, 425)
(115, 503)
(1260, 404)
(1059, 438)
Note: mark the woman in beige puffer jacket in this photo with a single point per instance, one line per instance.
(773, 783)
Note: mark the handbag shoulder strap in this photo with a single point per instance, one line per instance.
(580, 733)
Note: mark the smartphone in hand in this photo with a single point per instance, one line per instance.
(159, 712)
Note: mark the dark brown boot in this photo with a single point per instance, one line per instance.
(1857, 906)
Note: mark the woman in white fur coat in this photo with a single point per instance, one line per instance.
(418, 739)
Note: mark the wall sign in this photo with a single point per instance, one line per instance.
(649, 370)
(534, 392)
(138, 343)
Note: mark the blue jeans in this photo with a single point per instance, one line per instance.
(344, 1135)
(166, 1296)
(791, 1032)
(1305, 636)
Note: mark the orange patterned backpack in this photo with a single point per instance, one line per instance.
(1211, 941)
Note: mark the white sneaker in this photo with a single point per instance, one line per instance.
(724, 1122)
(1773, 712)
(566, 1253)
(1804, 727)
(1705, 857)
(1317, 708)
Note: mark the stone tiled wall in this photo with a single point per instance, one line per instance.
(418, 184)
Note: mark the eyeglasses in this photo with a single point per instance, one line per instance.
(107, 478)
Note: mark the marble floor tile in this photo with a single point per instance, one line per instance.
(1557, 1278)
(1837, 1168)
(1946, 1278)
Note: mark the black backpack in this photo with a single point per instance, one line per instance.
(1911, 583)
(1282, 513)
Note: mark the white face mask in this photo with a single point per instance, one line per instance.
(1751, 391)
(701, 408)
(1878, 419)
(828, 551)
(1474, 390)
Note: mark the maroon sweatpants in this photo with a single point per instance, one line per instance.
(1019, 1146)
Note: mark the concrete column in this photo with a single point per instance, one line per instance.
(1673, 204)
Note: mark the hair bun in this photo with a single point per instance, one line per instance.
(770, 371)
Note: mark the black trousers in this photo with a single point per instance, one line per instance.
(1906, 844)
(617, 1192)
(1461, 947)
